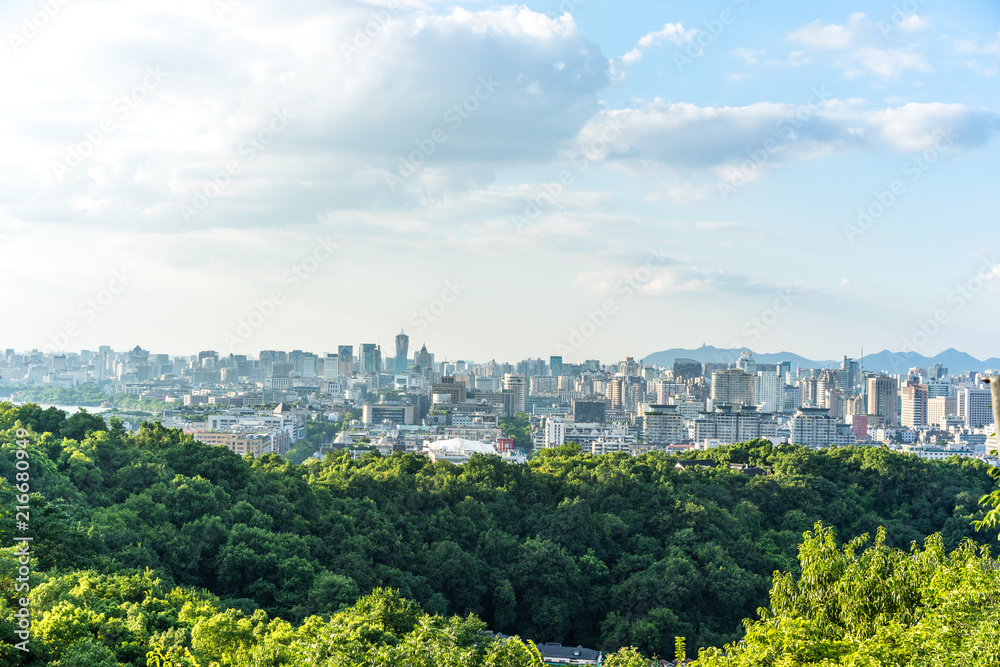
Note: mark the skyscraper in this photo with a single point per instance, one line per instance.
(424, 359)
(733, 386)
(345, 360)
(402, 351)
(371, 358)
(556, 366)
(913, 405)
(975, 406)
(514, 383)
(882, 399)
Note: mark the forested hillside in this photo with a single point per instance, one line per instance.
(153, 541)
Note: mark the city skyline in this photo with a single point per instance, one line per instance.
(370, 357)
(550, 178)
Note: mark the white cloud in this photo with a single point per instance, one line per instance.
(818, 37)
(722, 138)
(748, 56)
(859, 46)
(364, 87)
(671, 32)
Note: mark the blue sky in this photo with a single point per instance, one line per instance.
(500, 180)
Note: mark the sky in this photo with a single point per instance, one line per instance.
(501, 181)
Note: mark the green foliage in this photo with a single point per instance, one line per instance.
(610, 551)
(876, 606)
(518, 427)
(626, 657)
(91, 395)
(992, 518)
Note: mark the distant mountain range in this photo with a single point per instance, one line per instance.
(890, 362)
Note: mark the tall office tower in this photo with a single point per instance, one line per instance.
(424, 359)
(345, 360)
(402, 351)
(882, 401)
(975, 406)
(514, 382)
(940, 407)
(309, 361)
(686, 369)
(456, 391)
(331, 366)
(746, 363)
(849, 375)
(589, 412)
(937, 388)
(628, 367)
(768, 391)
(937, 371)
(370, 358)
(614, 392)
(667, 390)
(733, 386)
(555, 366)
(784, 370)
(913, 405)
(793, 397)
(663, 425)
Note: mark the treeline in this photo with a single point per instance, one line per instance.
(608, 552)
(90, 395)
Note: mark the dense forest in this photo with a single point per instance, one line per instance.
(152, 543)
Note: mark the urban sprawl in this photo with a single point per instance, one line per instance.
(450, 410)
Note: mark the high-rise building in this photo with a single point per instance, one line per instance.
(940, 407)
(746, 363)
(733, 386)
(456, 391)
(555, 366)
(331, 366)
(913, 405)
(937, 371)
(663, 425)
(784, 370)
(882, 399)
(768, 391)
(615, 388)
(628, 367)
(402, 352)
(589, 412)
(975, 406)
(514, 382)
(424, 359)
(370, 358)
(345, 360)
(814, 427)
(686, 369)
